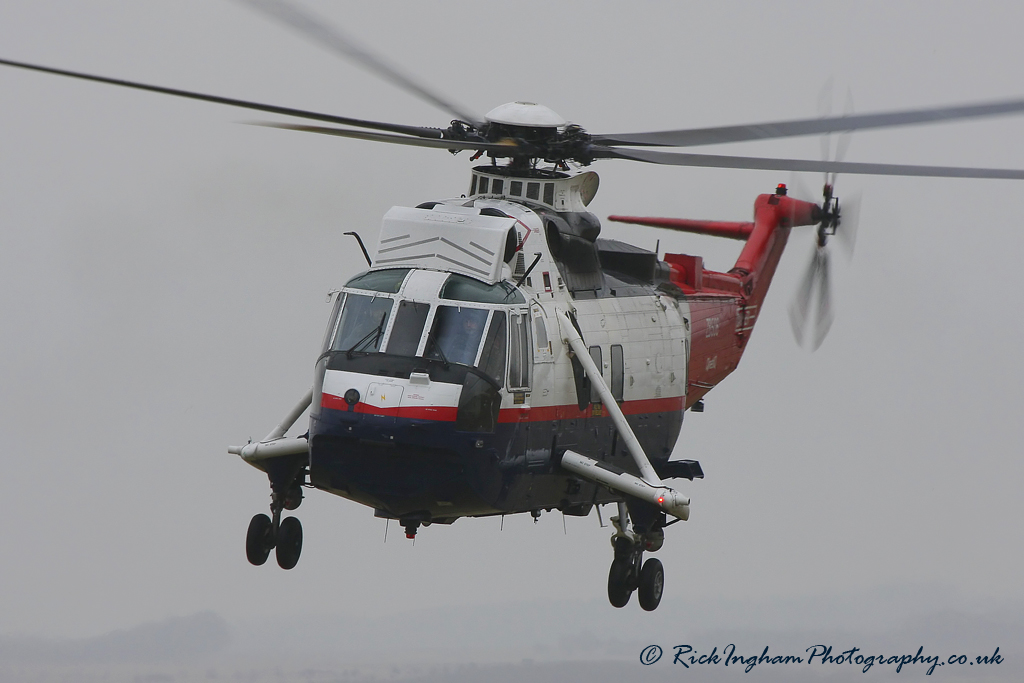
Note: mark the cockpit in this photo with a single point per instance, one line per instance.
(447, 318)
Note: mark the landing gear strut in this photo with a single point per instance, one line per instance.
(629, 572)
(270, 533)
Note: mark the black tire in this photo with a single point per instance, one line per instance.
(619, 588)
(652, 584)
(289, 542)
(259, 539)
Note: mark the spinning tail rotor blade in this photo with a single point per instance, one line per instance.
(801, 306)
(815, 286)
(843, 139)
(823, 320)
(849, 219)
(332, 39)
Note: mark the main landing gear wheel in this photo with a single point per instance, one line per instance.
(289, 542)
(620, 584)
(622, 577)
(259, 540)
(629, 572)
(652, 584)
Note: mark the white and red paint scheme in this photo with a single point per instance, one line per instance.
(498, 357)
(425, 439)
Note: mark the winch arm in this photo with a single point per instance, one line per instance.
(274, 444)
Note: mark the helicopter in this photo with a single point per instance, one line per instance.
(584, 295)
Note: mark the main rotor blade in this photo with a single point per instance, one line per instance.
(330, 38)
(768, 164)
(273, 109)
(504, 148)
(784, 129)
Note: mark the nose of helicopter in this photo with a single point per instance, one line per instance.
(455, 410)
(402, 444)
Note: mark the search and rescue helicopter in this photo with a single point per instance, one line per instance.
(499, 357)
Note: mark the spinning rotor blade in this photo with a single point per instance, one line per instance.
(816, 280)
(417, 131)
(768, 164)
(849, 219)
(328, 37)
(784, 129)
(502, 147)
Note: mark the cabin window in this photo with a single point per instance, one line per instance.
(515, 188)
(519, 351)
(456, 333)
(483, 185)
(492, 359)
(541, 333)
(549, 193)
(498, 186)
(363, 321)
(472, 186)
(408, 327)
(617, 371)
(462, 288)
(388, 280)
(532, 190)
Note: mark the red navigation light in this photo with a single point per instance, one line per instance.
(781, 189)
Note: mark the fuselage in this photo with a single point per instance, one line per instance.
(444, 388)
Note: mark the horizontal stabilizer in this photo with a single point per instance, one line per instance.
(680, 469)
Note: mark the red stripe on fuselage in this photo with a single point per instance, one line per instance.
(572, 411)
(515, 413)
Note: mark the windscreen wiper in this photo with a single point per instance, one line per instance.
(376, 333)
(437, 347)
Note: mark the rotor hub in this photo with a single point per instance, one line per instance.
(526, 114)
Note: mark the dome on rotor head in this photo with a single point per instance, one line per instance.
(525, 114)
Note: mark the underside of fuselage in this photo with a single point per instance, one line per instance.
(428, 469)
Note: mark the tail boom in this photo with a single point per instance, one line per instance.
(724, 306)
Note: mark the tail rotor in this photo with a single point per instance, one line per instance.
(811, 312)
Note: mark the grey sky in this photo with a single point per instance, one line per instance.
(163, 272)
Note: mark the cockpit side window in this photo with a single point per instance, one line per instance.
(362, 324)
(332, 324)
(388, 280)
(405, 334)
(456, 333)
